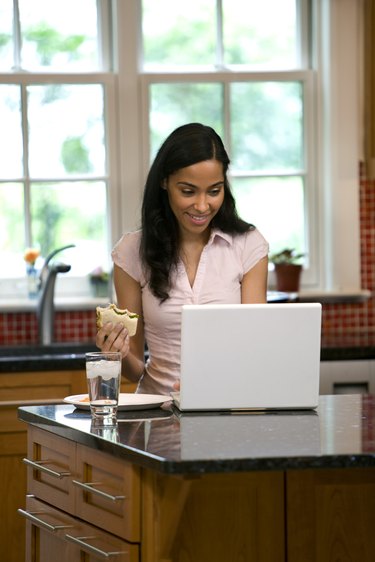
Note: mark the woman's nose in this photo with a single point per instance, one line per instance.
(201, 203)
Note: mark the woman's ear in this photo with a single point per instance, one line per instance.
(164, 184)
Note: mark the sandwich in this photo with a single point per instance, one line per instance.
(117, 316)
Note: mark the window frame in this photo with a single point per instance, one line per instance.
(336, 90)
(333, 114)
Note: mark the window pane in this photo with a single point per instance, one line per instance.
(175, 33)
(276, 206)
(10, 132)
(173, 105)
(260, 34)
(66, 130)
(12, 236)
(71, 213)
(59, 35)
(6, 34)
(267, 126)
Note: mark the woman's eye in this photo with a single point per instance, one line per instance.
(187, 192)
(215, 192)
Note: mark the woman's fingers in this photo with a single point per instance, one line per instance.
(113, 337)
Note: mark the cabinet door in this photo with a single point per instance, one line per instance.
(34, 386)
(12, 483)
(331, 515)
(216, 517)
(108, 493)
(53, 535)
(17, 389)
(51, 468)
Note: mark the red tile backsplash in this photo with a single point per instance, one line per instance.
(70, 326)
(343, 325)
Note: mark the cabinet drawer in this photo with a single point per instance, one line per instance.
(108, 493)
(51, 468)
(89, 484)
(51, 534)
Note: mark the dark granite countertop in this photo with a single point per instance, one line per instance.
(71, 356)
(347, 353)
(53, 357)
(339, 434)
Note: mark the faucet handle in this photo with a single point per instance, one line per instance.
(61, 268)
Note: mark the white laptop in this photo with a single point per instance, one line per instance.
(249, 357)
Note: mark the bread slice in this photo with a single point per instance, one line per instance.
(115, 315)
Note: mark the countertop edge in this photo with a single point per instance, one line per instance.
(194, 467)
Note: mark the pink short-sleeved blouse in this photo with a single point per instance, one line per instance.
(224, 261)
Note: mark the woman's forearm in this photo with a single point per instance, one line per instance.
(132, 367)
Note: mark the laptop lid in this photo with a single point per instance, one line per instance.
(250, 356)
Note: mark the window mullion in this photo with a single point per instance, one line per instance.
(104, 46)
(303, 33)
(17, 40)
(219, 35)
(227, 116)
(26, 175)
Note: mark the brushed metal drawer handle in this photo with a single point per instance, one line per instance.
(89, 487)
(81, 542)
(38, 465)
(31, 515)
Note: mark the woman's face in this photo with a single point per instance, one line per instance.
(196, 194)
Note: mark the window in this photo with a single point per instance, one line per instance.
(80, 129)
(281, 82)
(231, 66)
(54, 96)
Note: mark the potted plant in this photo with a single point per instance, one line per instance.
(287, 270)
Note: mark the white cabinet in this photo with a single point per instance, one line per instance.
(347, 377)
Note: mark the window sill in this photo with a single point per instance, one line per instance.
(89, 303)
(334, 297)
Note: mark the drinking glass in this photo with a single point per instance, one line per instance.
(103, 371)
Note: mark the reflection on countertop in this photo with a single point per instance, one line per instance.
(339, 434)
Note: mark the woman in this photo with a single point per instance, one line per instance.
(192, 249)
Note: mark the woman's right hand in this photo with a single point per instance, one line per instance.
(113, 337)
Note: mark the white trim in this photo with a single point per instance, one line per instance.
(338, 102)
(129, 120)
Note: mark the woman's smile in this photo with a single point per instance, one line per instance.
(199, 219)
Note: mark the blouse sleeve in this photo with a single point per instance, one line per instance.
(125, 254)
(255, 248)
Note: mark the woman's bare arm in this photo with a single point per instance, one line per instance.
(115, 337)
(254, 283)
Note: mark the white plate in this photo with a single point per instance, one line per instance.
(127, 401)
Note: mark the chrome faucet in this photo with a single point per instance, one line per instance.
(45, 307)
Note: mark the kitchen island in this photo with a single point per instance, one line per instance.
(164, 486)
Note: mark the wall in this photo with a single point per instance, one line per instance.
(353, 325)
(344, 325)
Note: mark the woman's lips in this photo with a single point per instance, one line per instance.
(198, 219)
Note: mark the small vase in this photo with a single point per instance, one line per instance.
(32, 281)
(288, 277)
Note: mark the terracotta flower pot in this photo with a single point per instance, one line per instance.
(288, 277)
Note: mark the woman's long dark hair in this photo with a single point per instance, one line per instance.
(159, 249)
